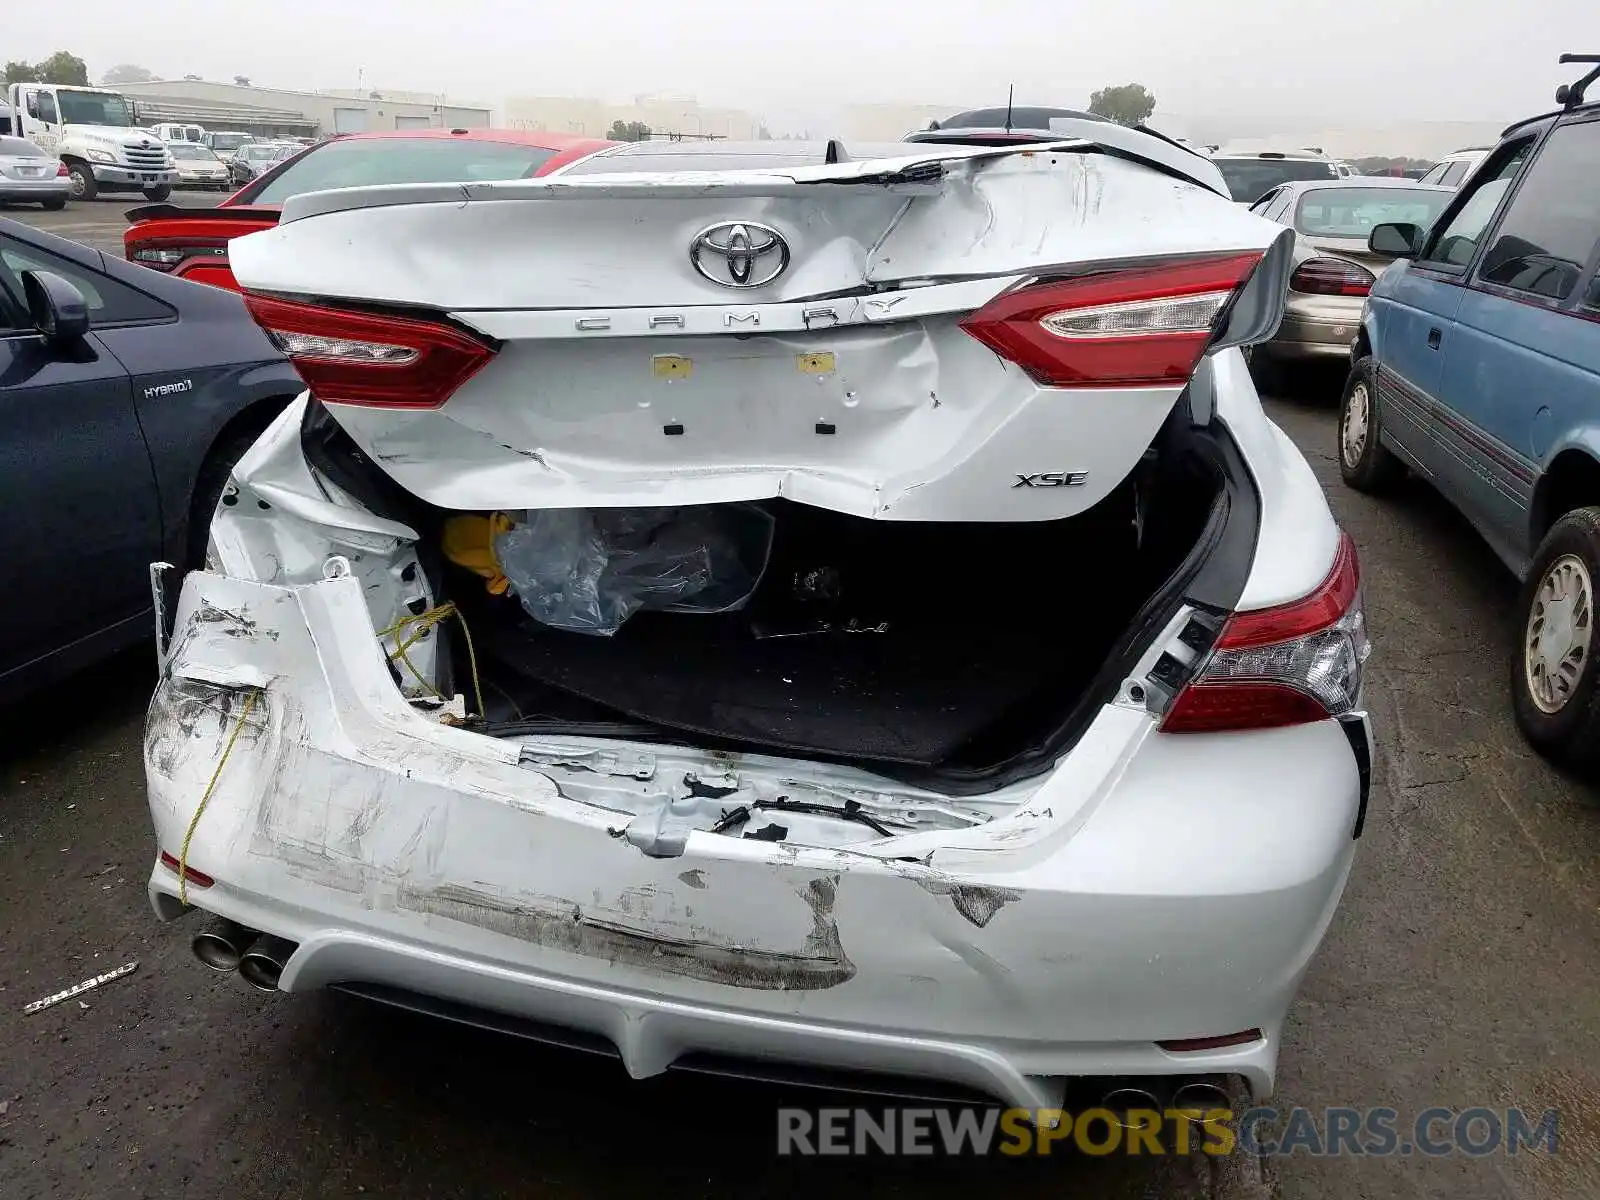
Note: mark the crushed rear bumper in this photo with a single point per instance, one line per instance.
(1154, 887)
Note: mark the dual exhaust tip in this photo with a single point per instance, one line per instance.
(1193, 1097)
(259, 958)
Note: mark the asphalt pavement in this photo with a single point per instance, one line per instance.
(1462, 970)
(100, 222)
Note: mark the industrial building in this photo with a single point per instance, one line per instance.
(275, 112)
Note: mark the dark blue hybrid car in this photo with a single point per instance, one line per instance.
(125, 398)
(1478, 367)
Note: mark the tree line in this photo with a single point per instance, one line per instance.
(66, 68)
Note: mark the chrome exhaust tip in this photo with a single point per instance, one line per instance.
(1123, 1102)
(263, 965)
(222, 944)
(1201, 1096)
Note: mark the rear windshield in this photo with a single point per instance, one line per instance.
(1249, 179)
(16, 147)
(1353, 211)
(360, 162)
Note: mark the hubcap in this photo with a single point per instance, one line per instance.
(1560, 625)
(75, 185)
(1353, 434)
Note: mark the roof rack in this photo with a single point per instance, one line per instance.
(1570, 95)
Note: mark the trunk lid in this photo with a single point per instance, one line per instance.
(701, 337)
(1353, 248)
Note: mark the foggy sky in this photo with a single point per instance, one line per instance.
(1251, 62)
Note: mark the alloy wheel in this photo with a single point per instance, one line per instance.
(1560, 628)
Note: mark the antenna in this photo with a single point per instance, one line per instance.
(1011, 96)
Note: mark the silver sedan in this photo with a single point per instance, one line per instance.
(1333, 267)
(29, 175)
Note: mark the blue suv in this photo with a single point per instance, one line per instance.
(1478, 367)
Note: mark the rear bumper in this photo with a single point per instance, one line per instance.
(52, 188)
(1320, 327)
(1062, 940)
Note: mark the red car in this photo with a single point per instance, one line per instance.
(193, 242)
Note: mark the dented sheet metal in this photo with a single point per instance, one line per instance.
(628, 372)
(1036, 944)
(621, 242)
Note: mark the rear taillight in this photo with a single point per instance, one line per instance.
(190, 875)
(1331, 277)
(168, 256)
(1289, 665)
(361, 358)
(1138, 326)
(61, 170)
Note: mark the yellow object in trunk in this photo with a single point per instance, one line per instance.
(469, 542)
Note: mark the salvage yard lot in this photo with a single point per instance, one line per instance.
(1462, 970)
(99, 223)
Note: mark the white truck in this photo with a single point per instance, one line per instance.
(94, 131)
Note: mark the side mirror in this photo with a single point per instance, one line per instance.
(1397, 240)
(56, 306)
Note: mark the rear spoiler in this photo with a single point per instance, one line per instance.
(912, 171)
(1137, 143)
(167, 212)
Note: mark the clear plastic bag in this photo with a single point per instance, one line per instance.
(587, 570)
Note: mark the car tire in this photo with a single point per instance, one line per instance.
(157, 194)
(53, 205)
(1554, 663)
(1365, 463)
(83, 184)
(213, 478)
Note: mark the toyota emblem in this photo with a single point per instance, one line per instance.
(739, 254)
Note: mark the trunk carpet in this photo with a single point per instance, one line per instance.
(982, 626)
(912, 695)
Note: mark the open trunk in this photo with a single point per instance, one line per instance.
(951, 654)
(951, 384)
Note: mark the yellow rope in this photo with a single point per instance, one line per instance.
(205, 798)
(425, 621)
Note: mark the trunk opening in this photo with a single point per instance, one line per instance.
(955, 656)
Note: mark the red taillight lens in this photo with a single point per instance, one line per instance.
(1138, 326)
(196, 878)
(1194, 1045)
(1331, 277)
(379, 361)
(61, 169)
(1289, 665)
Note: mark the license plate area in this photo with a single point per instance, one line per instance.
(755, 401)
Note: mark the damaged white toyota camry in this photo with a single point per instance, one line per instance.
(773, 609)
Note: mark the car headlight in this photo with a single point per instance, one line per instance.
(99, 156)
